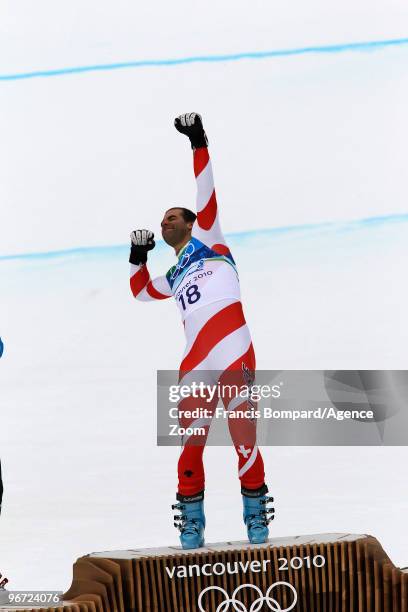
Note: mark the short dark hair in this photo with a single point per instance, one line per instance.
(188, 215)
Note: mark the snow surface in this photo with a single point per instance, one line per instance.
(296, 141)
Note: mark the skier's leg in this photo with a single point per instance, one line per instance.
(190, 469)
(238, 376)
(205, 333)
(191, 478)
(238, 379)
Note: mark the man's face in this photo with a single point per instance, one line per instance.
(174, 228)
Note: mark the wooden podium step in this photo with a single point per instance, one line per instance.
(317, 573)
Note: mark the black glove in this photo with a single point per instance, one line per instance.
(142, 242)
(191, 125)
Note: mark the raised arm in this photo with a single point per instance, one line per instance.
(141, 285)
(207, 228)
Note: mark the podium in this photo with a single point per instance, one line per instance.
(317, 573)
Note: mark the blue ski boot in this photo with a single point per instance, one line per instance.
(256, 513)
(191, 521)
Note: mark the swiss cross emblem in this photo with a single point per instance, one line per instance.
(244, 451)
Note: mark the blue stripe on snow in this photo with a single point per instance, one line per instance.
(249, 55)
(338, 227)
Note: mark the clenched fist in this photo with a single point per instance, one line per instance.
(142, 241)
(191, 125)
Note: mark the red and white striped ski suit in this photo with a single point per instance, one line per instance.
(205, 285)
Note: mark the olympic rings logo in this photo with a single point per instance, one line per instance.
(238, 606)
(185, 258)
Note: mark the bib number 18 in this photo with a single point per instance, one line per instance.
(192, 296)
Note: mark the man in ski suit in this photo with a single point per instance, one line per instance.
(205, 284)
